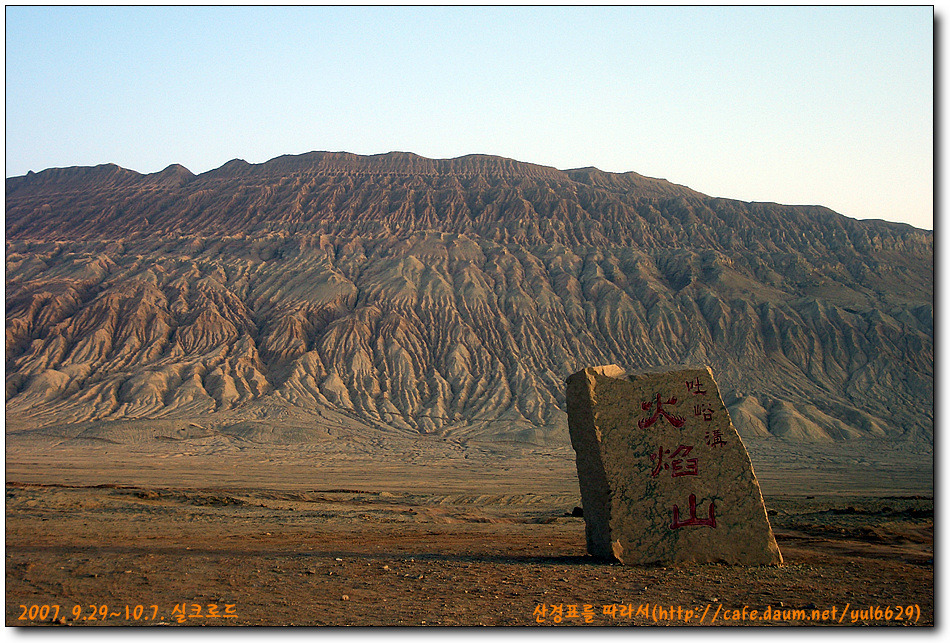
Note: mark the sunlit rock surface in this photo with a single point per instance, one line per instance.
(663, 474)
(451, 297)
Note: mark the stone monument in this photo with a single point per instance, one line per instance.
(663, 474)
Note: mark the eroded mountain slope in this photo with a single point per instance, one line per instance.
(450, 296)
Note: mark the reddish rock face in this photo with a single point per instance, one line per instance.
(664, 476)
(449, 296)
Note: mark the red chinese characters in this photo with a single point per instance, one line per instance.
(675, 464)
(676, 420)
(694, 387)
(714, 438)
(678, 462)
(693, 520)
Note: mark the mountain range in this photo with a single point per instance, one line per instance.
(445, 297)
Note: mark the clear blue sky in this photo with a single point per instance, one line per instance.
(830, 106)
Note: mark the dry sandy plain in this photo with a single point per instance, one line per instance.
(432, 531)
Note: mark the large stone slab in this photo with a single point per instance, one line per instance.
(663, 474)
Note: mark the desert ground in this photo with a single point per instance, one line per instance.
(214, 532)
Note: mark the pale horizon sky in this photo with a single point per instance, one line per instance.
(798, 105)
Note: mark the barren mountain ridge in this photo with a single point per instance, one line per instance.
(447, 297)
